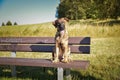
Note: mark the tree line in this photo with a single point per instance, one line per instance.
(9, 23)
(86, 9)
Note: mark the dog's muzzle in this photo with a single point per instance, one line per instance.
(60, 26)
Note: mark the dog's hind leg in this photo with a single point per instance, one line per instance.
(65, 55)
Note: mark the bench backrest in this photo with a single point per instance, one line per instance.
(42, 44)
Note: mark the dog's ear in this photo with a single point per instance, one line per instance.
(66, 19)
(55, 23)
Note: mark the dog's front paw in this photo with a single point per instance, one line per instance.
(64, 61)
(70, 60)
(55, 61)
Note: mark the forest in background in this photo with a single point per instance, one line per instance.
(89, 9)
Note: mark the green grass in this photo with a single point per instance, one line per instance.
(27, 30)
(47, 29)
(104, 57)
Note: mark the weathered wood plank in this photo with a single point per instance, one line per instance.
(79, 40)
(42, 40)
(41, 48)
(27, 40)
(42, 62)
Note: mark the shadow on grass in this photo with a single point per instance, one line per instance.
(107, 23)
(76, 75)
(30, 73)
(93, 22)
(110, 23)
(39, 73)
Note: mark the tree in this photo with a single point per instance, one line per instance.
(15, 23)
(3, 24)
(84, 9)
(73, 9)
(9, 23)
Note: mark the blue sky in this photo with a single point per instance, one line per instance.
(27, 11)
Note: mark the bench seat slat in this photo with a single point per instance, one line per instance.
(42, 62)
(42, 40)
(42, 48)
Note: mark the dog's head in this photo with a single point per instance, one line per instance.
(60, 23)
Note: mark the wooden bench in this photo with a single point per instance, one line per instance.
(79, 45)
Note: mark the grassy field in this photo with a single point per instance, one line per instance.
(104, 57)
(76, 28)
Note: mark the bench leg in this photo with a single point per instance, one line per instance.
(59, 73)
(68, 76)
(13, 68)
(13, 71)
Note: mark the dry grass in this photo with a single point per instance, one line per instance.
(47, 29)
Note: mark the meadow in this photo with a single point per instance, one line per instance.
(104, 57)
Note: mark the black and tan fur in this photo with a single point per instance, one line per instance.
(61, 52)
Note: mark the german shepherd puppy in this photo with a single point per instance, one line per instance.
(61, 52)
